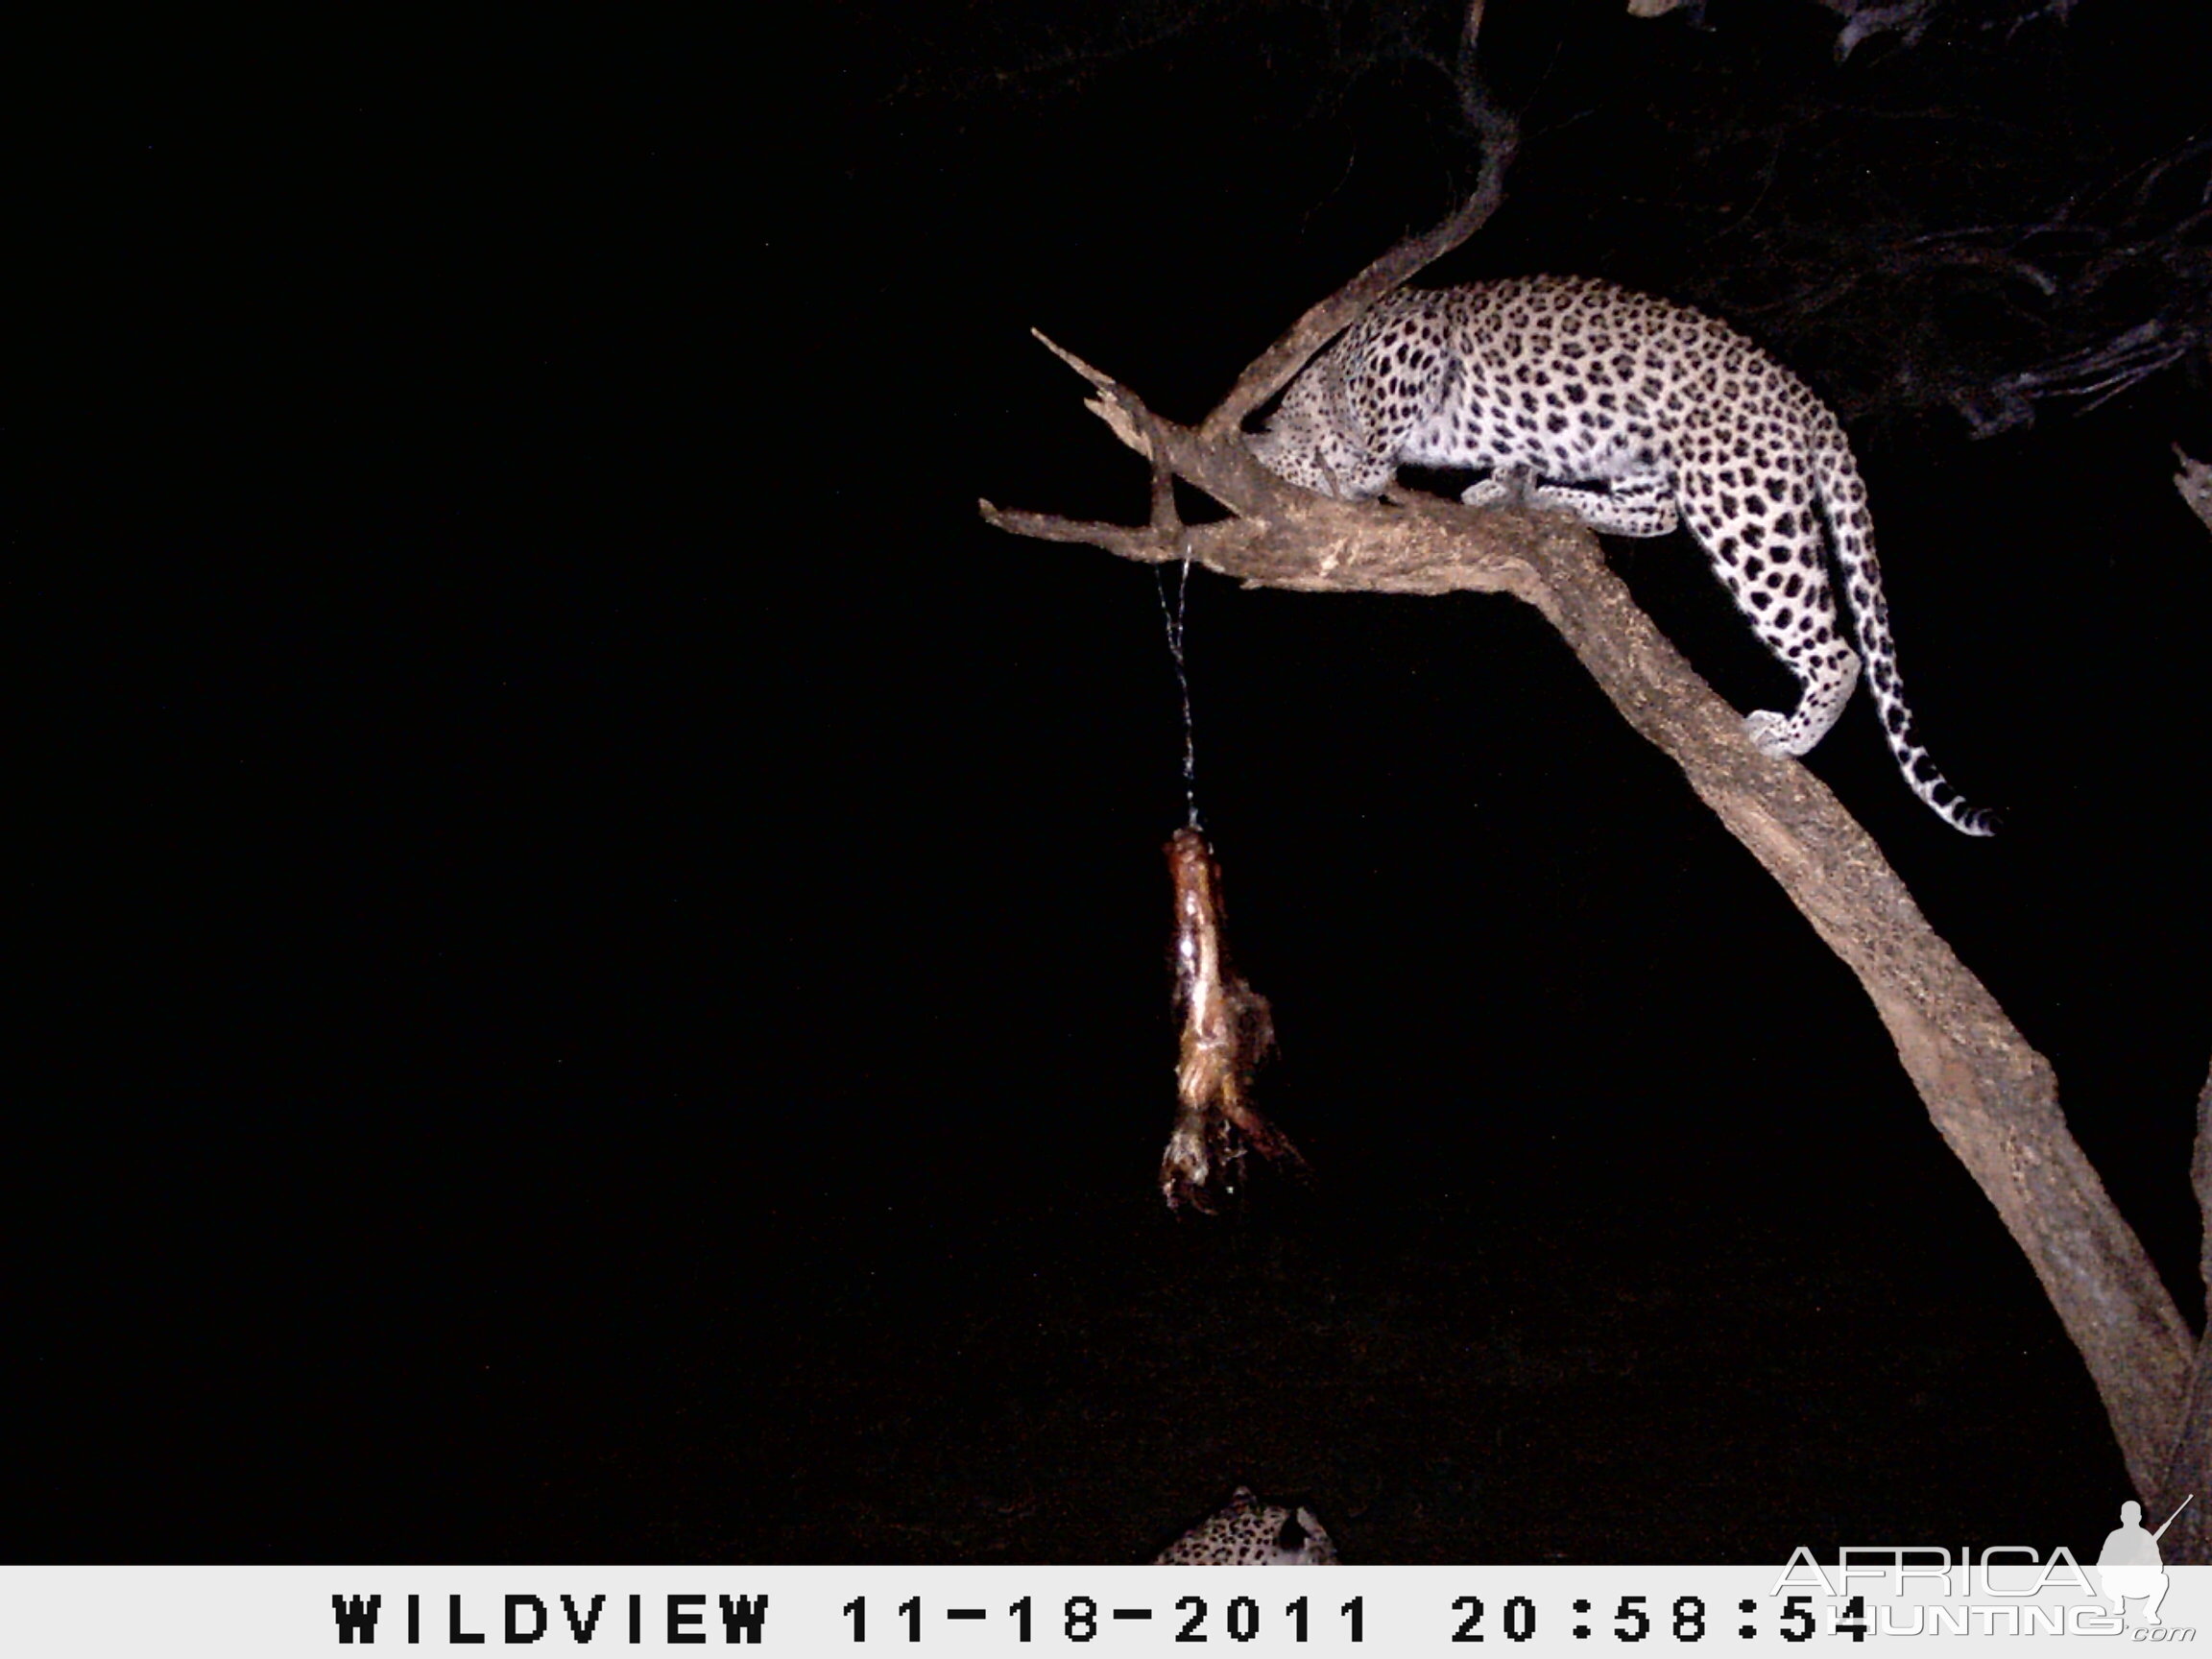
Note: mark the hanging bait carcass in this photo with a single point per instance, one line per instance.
(1227, 1030)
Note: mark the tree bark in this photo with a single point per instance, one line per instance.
(2195, 482)
(2188, 1464)
(2189, 1467)
(1989, 1095)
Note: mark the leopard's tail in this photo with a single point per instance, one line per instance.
(1851, 534)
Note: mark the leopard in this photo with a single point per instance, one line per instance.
(1246, 1533)
(1635, 414)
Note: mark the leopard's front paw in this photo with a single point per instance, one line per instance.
(1770, 733)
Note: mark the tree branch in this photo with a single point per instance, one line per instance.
(1500, 138)
(2191, 1459)
(2195, 482)
(1989, 1095)
(2189, 1467)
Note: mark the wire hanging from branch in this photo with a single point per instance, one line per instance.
(1175, 621)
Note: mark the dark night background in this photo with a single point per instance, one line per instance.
(595, 943)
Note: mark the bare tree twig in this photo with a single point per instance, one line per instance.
(1274, 368)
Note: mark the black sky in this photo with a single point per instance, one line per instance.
(569, 872)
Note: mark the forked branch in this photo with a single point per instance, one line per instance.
(1989, 1095)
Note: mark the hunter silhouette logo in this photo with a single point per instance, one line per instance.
(2130, 1565)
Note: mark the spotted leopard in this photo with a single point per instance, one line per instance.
(1646, 414)
(1246, 1532)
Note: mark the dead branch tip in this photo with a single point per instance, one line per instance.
(1097, 377)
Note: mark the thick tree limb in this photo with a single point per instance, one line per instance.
(2189, 1468)
(1989, 1095)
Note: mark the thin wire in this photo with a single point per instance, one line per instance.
(1174, 619)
